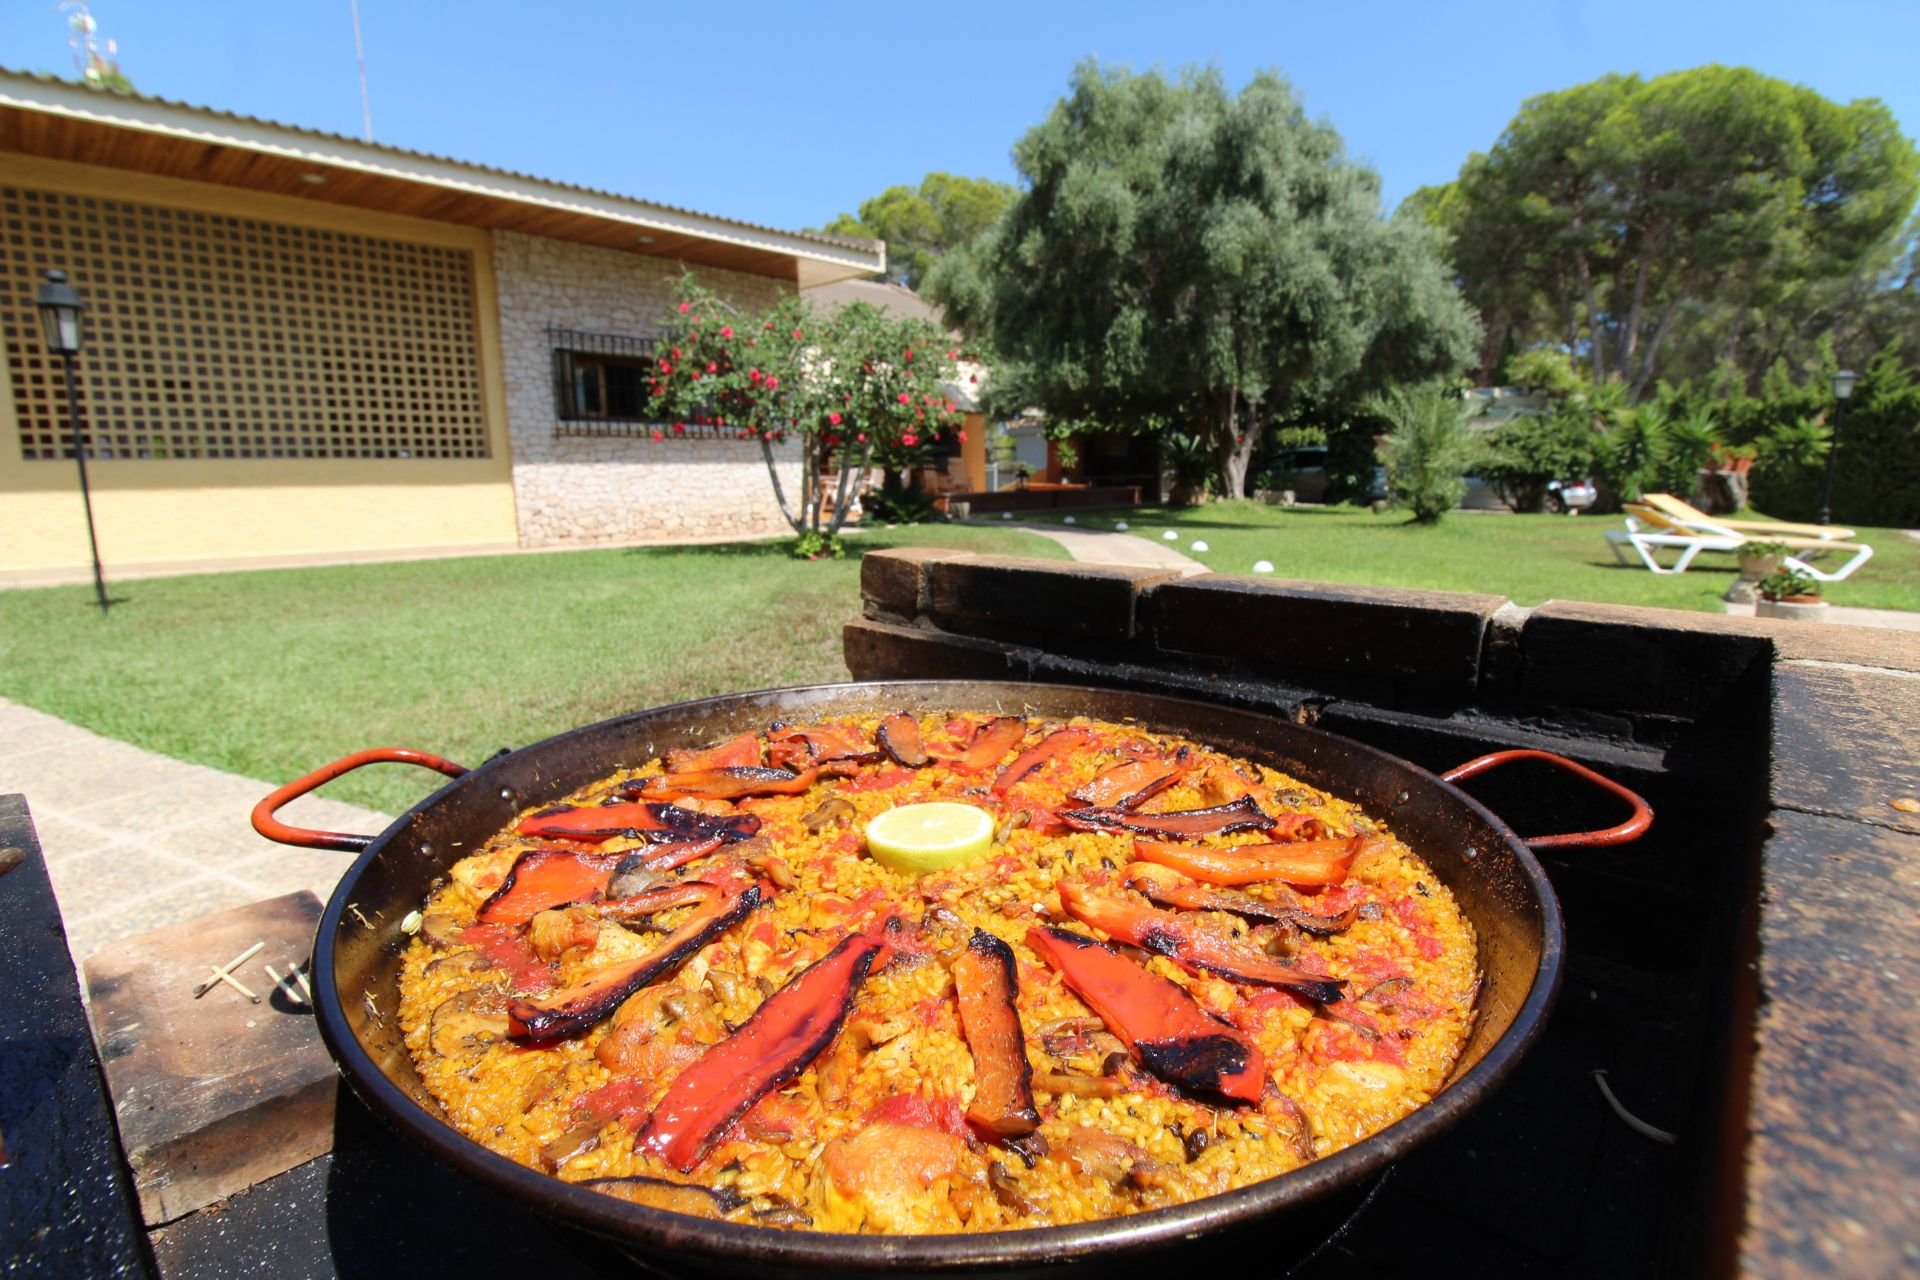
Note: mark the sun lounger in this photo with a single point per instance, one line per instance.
(1756, 530)
(1650, 531)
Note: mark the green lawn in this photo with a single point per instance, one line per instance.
(1530, 559)
(272, 673)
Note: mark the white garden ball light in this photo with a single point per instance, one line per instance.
(1201, 546)
(1171, 536)
(1006, 515)
(1263, 566)
(1067, 520)
(1119, 526)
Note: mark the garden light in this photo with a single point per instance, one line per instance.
(60, 312)
(1843, 381)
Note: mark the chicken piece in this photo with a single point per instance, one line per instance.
(1089, 1152)
(881, 1178)
(563, 931)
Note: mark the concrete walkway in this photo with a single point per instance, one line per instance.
(135, 840)
(1093, 547)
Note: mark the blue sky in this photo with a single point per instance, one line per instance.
(787, 114)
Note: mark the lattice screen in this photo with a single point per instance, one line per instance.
(219, 337)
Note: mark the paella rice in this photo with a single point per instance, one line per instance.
(1172, 973)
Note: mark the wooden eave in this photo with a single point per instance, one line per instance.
(58, 120)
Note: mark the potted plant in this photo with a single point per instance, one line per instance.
(1789, 593)
(1761, 559)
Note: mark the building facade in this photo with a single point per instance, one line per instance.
(300, 344)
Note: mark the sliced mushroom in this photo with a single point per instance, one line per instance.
(577, 1141)
(541, 1087)
(1006, 1189)
(831, 811)
(775, 869)
(468, 1023)
(1010, 824)
(632, 876)
(465, 964)
(1080, 1086)
(441, 927)
(677, 1197)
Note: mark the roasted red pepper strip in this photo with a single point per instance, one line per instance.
(661, 898)
(990, 744)
(1181, 940)
(1305, 863)
(730, 784)
(1166, 1029)
(1243, 814)
(665, 857)
(1163, 886)
(654, 821)
(573, 1009)
(986, 986)
(542, 878)
(1058, 743)
(794, 747)
(899, 736)
(774, 1045)
(1128, 785)
(733, 754)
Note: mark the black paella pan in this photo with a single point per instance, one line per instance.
(1497, 882)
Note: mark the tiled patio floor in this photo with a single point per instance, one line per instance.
(135, 840)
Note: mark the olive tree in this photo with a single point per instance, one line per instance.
(1186, 255)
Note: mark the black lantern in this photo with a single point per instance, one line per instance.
(1843, 381)
(60, 311)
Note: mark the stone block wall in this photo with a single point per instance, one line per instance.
(570, 490)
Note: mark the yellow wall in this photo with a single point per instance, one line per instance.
(155, 512)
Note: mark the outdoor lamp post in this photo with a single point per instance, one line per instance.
(1842, 391)
(60, 310)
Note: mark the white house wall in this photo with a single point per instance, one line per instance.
(583, 491)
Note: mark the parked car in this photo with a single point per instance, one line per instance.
(1564, 497)
(1304, 471)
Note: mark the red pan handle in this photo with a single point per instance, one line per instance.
(273, 829)
(1632, 829)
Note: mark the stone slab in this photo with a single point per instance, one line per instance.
(883, 651)
(1833, 1158)
(66, 1205)
(1847, 742)
(1430, 638)
(1019, 599)
(216, 1093)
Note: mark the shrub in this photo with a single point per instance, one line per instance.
(1428, 451)
(1520, 457)
(1783, 584)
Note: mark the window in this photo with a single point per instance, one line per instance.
(600, 378)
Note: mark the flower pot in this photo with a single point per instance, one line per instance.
(1758, 567)
(1792, 608)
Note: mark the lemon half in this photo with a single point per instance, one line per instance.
(918, 838)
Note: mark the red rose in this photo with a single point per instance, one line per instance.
(772, 382)
(657, 437)
(962, 435)
(953, 355)
(684, 308)
(665, 367)
(679, 428)
(676, 353)
(753, 376)
(952, 407)
(712, 367)
(796, 335)
(909, 439)
(695, 375)
(832, 440)
(905, 398)
(862, 437)
(727, 332)
(834, 418)
(974, 379)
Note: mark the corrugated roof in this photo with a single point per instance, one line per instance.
(340, 139)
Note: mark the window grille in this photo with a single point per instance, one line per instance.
(210, 336)
(600, 388)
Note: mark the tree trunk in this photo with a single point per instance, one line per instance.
(1230, 456)
(1645, 373)
(1596, 341)
(796, 520)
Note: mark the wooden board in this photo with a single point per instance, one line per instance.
(212, 1094)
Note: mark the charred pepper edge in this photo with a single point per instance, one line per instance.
(561, 1016)
(682, 1136)
(1006, 1062)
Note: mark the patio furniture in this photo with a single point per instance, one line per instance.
(1650, 531)
(1757, 530)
